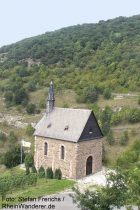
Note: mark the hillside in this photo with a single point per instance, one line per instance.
(106, 54)
(91, 65)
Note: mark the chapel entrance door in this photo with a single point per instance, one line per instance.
(89, 165)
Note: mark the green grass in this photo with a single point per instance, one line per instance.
(126, 101)
(43, 187)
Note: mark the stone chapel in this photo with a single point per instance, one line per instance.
(69, 139)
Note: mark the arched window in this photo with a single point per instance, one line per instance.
(45, 148)
(62, 152)
(89, 165)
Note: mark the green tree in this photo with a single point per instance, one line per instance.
(105, 118)
(20, 96)
(110, 138)
(104, 198)
(29, 160)
(49, 173)
(41, 172)
(12, 138)
(124, 138)
(58, 174)
(107, 93)
(12, 157)
(30, 130)
(31, 108)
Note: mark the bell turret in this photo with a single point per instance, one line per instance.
(51, 99)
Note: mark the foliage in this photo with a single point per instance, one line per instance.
(12, 182)
(110, 138)
(89, 94)
(105, 198)
(91, 59)
(2, 137)
(122, 187)
(30, 130)
(105, 118)
(124, 138)
(12, 157)
(131, 157)
(58, 174)
(31, 108)
(41, 189)
(41, 172)
(20, 96)
(126, 115)
(139, 100)
(12, 138)
(34, 169)
(49, 173)
(107, 93)
(29, 160)
(27, 170)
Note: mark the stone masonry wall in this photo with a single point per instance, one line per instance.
(76, 154)
(67, 166)
(85, 149)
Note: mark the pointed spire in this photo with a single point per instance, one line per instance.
(51, 99)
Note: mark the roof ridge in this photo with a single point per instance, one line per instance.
(73, 109)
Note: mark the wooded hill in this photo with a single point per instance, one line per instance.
(106, 55)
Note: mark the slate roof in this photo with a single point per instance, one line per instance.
(63, 123)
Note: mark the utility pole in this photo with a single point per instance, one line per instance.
(21, 153)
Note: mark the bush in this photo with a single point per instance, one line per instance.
(27, 170)
(2, 137)
(139, 100)
(12, 182)
(29, 130)
(12, 157)
(12, 138)
(41, 172)
(20, 96)
(124, 138)
(58, 174)
(134, 115)
(34, 169)
(88, 95)
(29, 160)
(49, 173)
(8, 97)
(107, 93)
(105, 118)
(31, 108)
(110, 138)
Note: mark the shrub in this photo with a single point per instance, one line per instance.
(27, 170)
(105, 118)
(139, 100)
(2, 137)
(8, 97)
(49, 173)
(31, 108)
(107, 93)
(34, 169)
(12, 138)
(12, 182)
(58, 174)
(124, 138)
(110, 138)
(12, 157)
(41, 172)
(30, 130)
(20, 96)
(29, 160)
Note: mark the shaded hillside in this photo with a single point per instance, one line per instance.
(106, 54)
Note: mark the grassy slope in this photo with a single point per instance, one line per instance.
(43, 187)
(68, 98)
